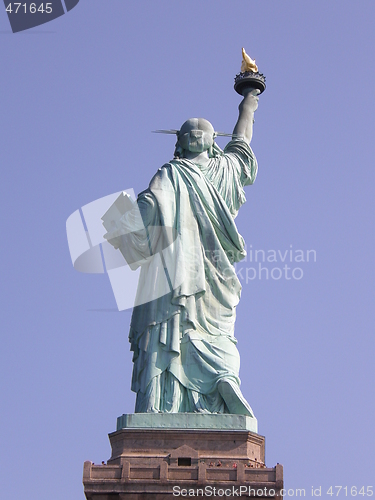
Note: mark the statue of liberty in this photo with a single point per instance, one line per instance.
(185, 355)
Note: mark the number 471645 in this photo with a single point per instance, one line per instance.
(32, 8)
(350, 491)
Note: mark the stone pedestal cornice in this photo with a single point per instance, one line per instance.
(155, 463)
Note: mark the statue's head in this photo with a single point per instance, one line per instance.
(196, 135)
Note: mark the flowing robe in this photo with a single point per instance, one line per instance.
(182, 331)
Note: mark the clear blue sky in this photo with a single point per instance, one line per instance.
(79, 98)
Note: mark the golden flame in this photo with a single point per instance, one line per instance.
(248, 64)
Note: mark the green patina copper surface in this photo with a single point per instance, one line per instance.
(187, 421)
(183, 236)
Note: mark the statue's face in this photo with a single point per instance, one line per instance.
(196, 135)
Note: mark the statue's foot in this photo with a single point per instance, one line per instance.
(233, 398)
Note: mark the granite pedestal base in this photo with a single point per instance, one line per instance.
(165, 463)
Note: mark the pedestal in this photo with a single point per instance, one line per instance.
(165, 463)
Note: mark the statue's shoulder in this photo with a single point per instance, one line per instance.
(237, 145)
(163, 170)
(165, 175)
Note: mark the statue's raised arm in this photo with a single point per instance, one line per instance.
(247, 108)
